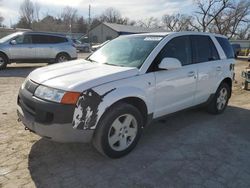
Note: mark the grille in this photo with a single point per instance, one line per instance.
(31, 86)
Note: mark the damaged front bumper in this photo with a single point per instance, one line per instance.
(56, 132)
(49, 120)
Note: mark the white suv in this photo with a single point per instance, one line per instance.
(110, 97)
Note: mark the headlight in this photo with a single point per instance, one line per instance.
(56, 95)
(49, 94)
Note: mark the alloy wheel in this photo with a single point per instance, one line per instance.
(122, 132)
(222, 99)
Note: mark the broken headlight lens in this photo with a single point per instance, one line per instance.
(49, 94)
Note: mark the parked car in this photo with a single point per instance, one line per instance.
(82, 47)
(35, 47)
(110, 97)
(248, 57)
(236, 48)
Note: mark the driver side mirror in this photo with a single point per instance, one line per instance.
(169, 63)
(13, 42)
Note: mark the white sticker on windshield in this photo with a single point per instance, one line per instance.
(153, 38)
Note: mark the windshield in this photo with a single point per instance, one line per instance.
(127, 51)
(8, 37)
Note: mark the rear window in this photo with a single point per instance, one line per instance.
(227, 48)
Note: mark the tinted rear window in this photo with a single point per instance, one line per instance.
(227, 48)
(204, 49)
(46, 39)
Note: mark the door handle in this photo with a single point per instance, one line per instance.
(218, 68)
(191, 74)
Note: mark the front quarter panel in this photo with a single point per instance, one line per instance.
(94, 102)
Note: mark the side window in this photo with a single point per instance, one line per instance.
(227, 48)
(40, 39)
(214, 52)
(23, 39)
(178, 48)
(204, 49)
(56, 39)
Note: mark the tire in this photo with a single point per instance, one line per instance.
(220, 100)
(62, 57)
(3, 61)
(114, 137)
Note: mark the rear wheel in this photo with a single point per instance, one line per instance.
(219, 102)
(62, 57)
(3, 61)
(119, 131)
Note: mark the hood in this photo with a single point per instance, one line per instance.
(80, 75)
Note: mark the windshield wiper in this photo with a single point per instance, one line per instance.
(92, 61)
(113, 64)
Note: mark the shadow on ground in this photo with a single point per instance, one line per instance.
(19, 70)
(189, 149)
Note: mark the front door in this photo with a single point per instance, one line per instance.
(175, 89)
(22, 49)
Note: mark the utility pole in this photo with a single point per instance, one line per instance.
(89, 22)
(89, 14)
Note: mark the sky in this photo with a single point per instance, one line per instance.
(133, 9)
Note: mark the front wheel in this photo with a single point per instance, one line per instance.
(3, 62)
(119, 130)
(219, 102)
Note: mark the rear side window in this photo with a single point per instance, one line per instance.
(178, 48)
(204, 49)
(47, 39)
(40, 39)
(227, 48)
(56, 39)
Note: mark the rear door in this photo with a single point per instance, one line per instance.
(206, 57)
(175, 88)
(43, 46)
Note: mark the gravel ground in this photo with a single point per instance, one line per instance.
(188, 149)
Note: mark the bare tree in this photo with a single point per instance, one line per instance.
(234, 20)
(150, 22)
(37, 9)
(69, 17)
(1, 17)
(177, 22)
(27, 12)
(244, 32)
(112, 15)
(207, 11)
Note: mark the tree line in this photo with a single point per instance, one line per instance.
(227, 17)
